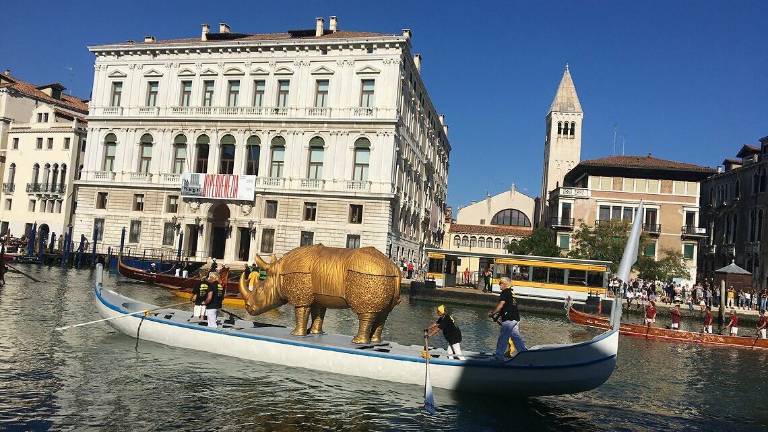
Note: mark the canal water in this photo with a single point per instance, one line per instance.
(93, 377)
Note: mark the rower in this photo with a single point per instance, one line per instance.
(214, 299)
(510, 320)
(762, 324)
(451, 332)
(650, 313)
(199, 294)
(708, 320)
(733, 324)
(675, 317)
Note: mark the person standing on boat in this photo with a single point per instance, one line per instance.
(214, 266)
(650, 313)
(199, 294)
(487, 279)
(708, 320)
(451, 331)
(733, 324)
(509, 316)
(675, 317)
(214, 299)
(762, 324)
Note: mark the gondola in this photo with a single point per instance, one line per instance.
(664, 334)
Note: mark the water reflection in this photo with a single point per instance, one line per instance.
(91, 378)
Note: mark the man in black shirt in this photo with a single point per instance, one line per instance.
(506, 310)
(214, 299)
(199, 295)
(450, 331)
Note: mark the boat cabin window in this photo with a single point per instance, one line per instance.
(577, 277)
(595, 279)
(540, 274)
(435, 265)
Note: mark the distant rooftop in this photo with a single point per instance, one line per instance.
(49, 93)
(636, 166)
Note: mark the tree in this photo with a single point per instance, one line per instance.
(605, 242)
(541, 242)
(667, 268)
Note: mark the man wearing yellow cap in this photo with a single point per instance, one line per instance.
(450, 331)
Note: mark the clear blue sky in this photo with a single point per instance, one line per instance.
(683, 80)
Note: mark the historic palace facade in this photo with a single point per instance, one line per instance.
(280, 140)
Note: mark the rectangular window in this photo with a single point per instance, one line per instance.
(688, 251)
(539, 274)
(267, 240)
(109, 157)
(650, 250)
(201, 164)
(315, 169)
(32, 205)
(629, 185)
(233, 93)
(640, 185)
(208, 87)
(278, 159)
(367, 93)
(259, 86)
(145, 158)
(577, 277)
(556, 276)
(282, 93)
(138, 202)
(564, 241)
(16, 143)
(353, 241)
(45, 117)
(321, 93)
(678, 187)
(604, 213)
(3, 228)
(134, 234)
(8, 203)
(310, 211)
(169, 231)
(39, 117)
(186, 93)
(152, 90)
(172, 204)
(270, 209)
(307, 238)
(606, 183)
(117, 94)
(39, 144)
(653, 186)
(179, 158)
(355, 213)
(101, 200)
(66, 143)
(50, 144)
(98, 229)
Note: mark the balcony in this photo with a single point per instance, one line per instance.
(102, 175)
(9, 188)
(116, 110)
(693, 231)
(148, 111)
(318, 112)
(570, 192)
(314, 184)
(140, 177)
(358, 185)
(45, 188)
(730, 249)
(248, 112)
(654, 229)
(270, 182)
(174, 179)
(562, 223)
(710, 249)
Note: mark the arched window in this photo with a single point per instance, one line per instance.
(253, 150)
(201, 154)
(110, 148)
(179, 153)
(46, 174)
(497, 243)
(456, 241)
(362, 159)
(565, 128)
(315, 168)
(145, 153)
(227, 155)
(473, 241)
(559, 128)
(573, 128)
(277, 157)
(465, 241)
(11, 173)
(54, 177)
(63, 180)
(511, 217)
(481, 242)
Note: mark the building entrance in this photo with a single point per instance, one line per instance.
(192, 233)
(219, 217)
(245, 244)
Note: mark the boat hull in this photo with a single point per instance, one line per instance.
(546, 370)
(664, 334)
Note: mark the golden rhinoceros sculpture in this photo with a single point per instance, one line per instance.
(315, 278)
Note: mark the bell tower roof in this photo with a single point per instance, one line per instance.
(566, 99)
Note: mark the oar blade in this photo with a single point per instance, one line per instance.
(429, 397)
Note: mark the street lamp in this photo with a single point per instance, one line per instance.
(199, 226)
(251, 228)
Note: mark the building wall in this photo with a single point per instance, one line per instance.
(481, 212)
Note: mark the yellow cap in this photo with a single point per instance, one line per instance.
(441, 309)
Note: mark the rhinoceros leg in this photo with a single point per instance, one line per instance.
(364, 330)
(318, 315)
(378, 326)
(302, 313)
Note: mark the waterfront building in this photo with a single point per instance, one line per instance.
(734, 209)
(281, 140)
(562, 142)
(42, 143)
(611, 188)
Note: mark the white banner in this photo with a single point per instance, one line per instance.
(218, 186)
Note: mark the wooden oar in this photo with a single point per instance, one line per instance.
(21, 272)
(120, 316)
(429, 398)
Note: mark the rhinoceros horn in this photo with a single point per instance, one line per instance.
(261, 263)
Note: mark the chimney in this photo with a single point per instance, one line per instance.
(319, 26)
(149, 39)
(442, 119)
(407, 34)
(332, 22)
(206, 29)
(223, 28)
(417, 62)
(7, 72)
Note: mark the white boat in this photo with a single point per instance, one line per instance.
(542, 370)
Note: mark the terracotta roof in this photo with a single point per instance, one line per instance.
(747, 150)
(25, 88)
(498, 230)
(644, 162)
(244, 37)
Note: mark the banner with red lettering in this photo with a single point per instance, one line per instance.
(218, 186)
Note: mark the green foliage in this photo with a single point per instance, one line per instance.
(541, 242)
(604, 242)
(667, 268)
